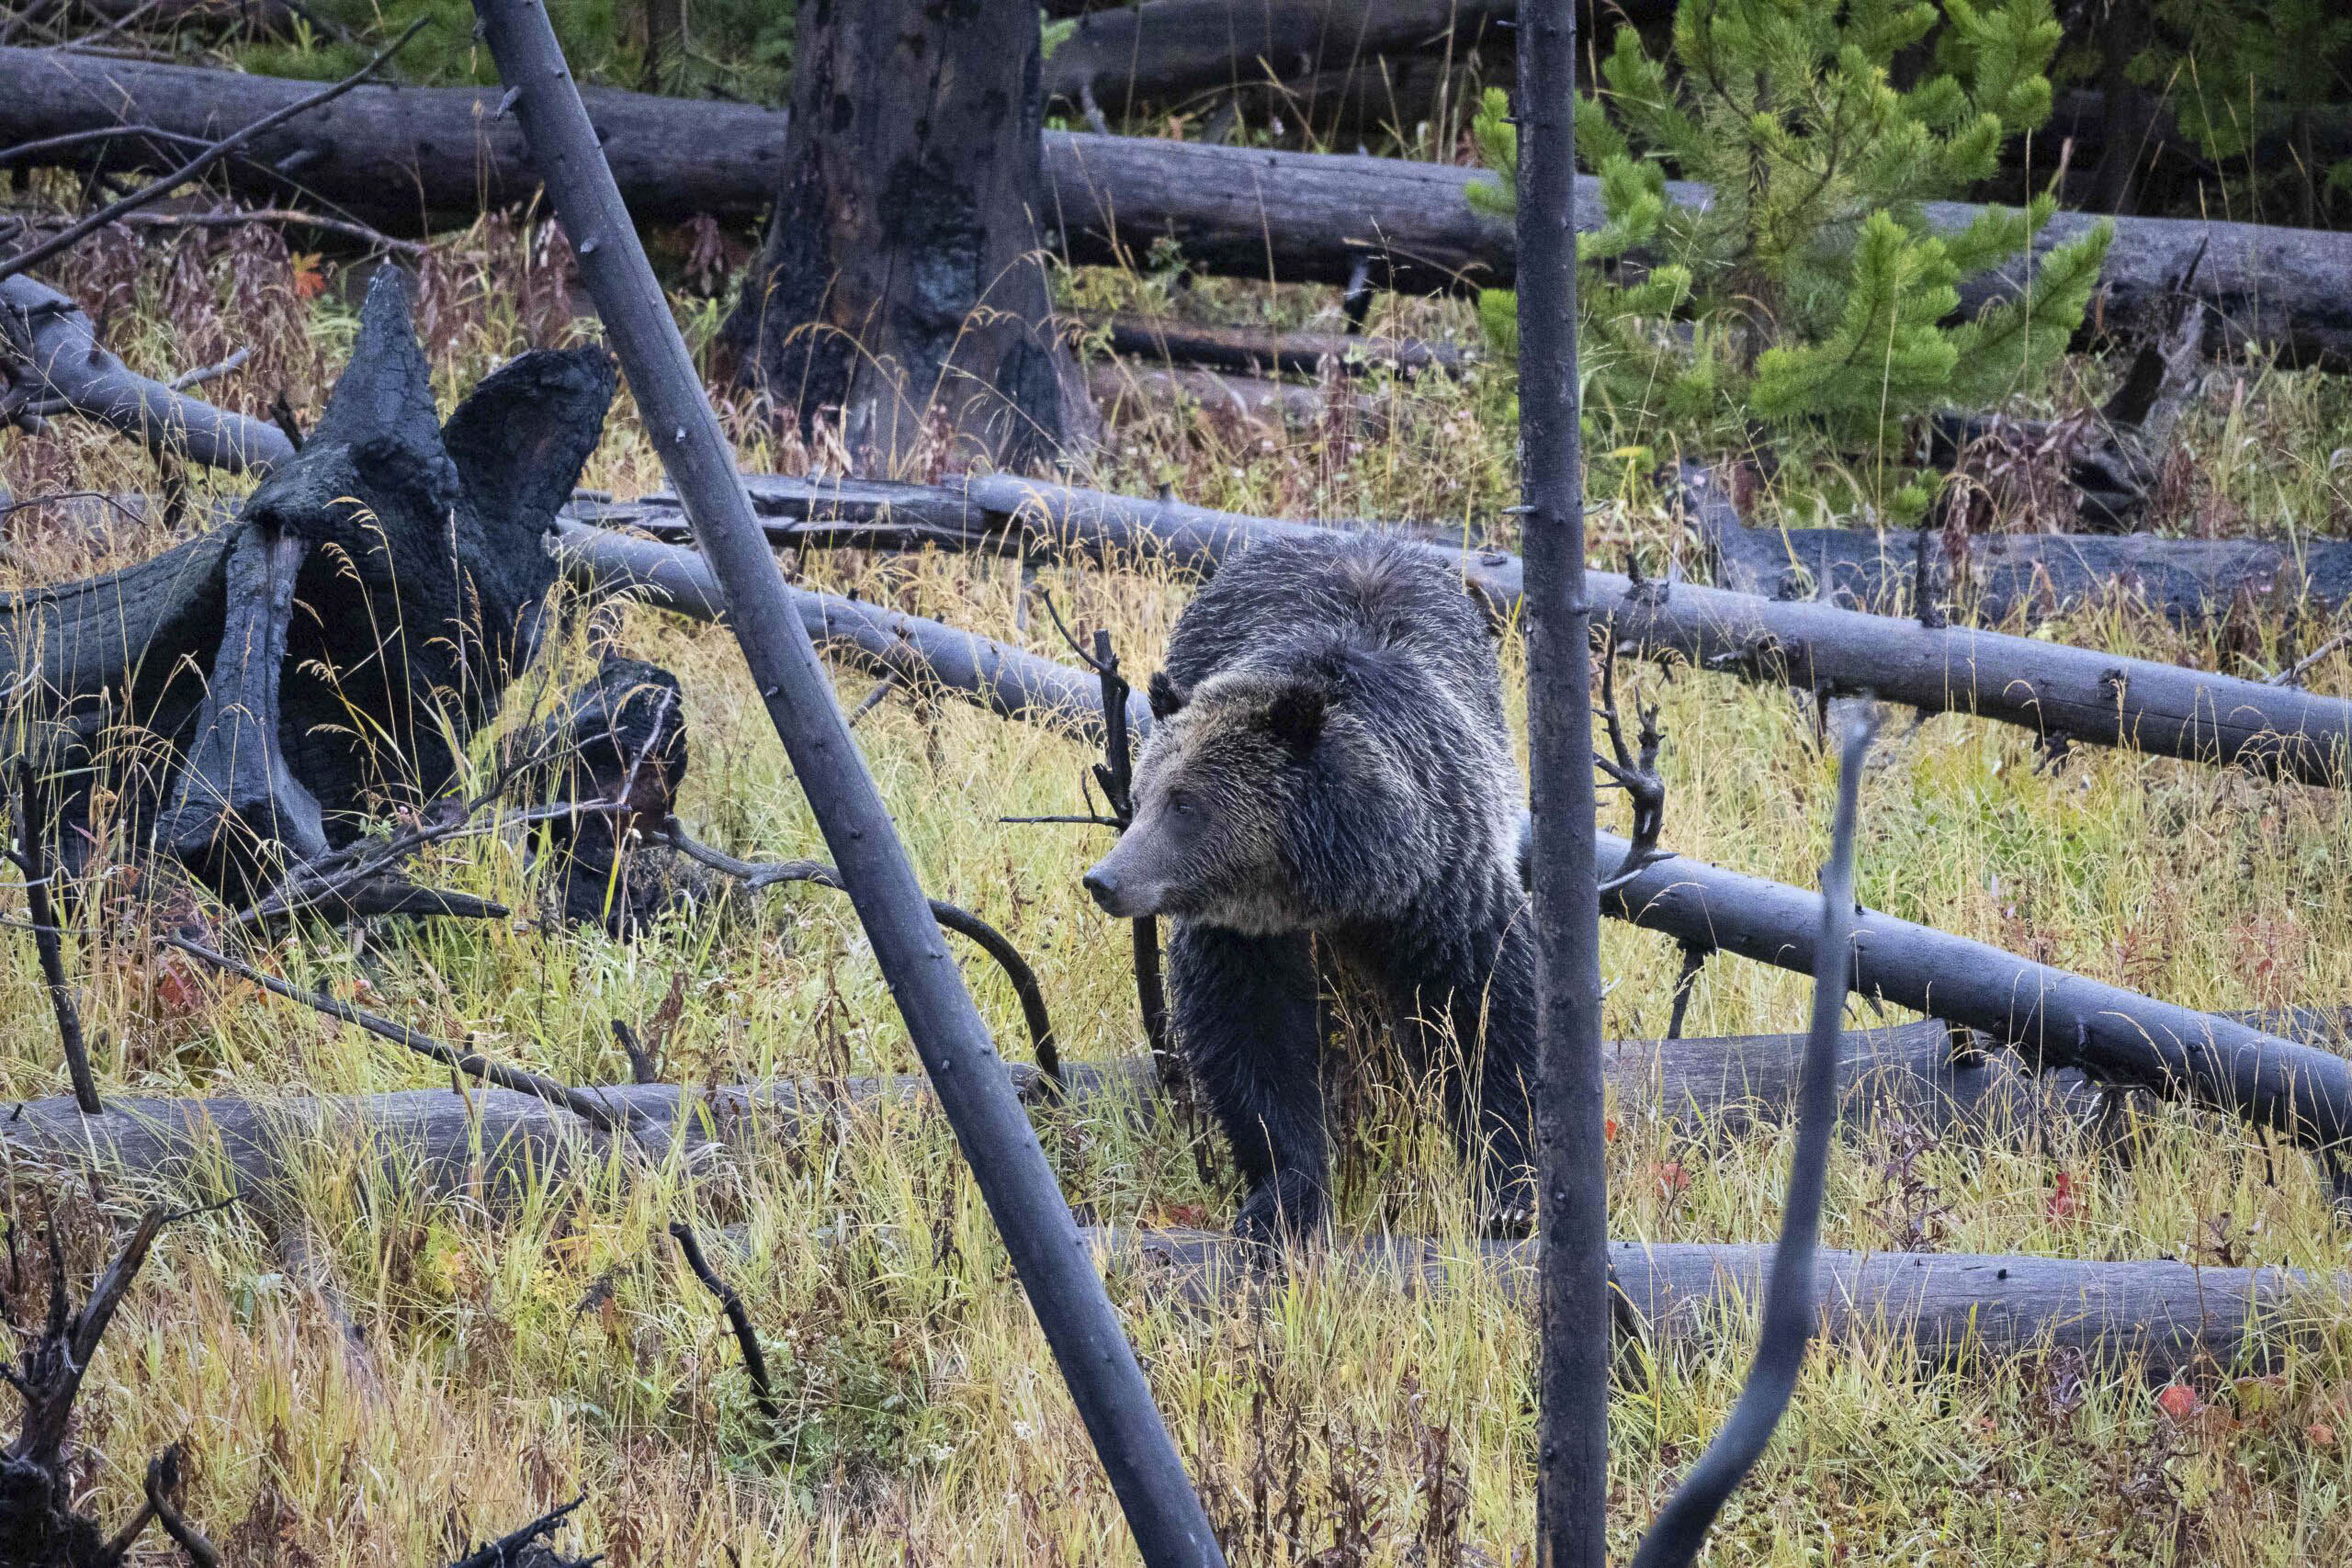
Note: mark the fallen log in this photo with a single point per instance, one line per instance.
(1119, 61)
(2054, 1018)
(496, 1140)
(1007, 681)
(403, 160)
(2078, 693)
(2166, 1315)
(2050, 1017)
(487, 1145)
(49, 352)
(2031, 577)
(1252, 351)
(2062, 694)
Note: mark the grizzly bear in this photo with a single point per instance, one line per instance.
(1330, 777)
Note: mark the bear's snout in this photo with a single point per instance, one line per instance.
(1126, 890)
(1112, 891)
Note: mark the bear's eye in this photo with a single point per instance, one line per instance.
(1180, 804)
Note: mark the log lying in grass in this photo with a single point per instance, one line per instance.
(495, 1139)
(2073, 693)
(402, 159)
(58, 357)
(1007, 681)
(487, 1144)
(2062, 694)
(2031, 576)
(2050, 1017)
(1121, 60)
(2169, 1315)
(1254, 352)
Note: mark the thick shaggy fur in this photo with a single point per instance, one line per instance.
(1332, 763)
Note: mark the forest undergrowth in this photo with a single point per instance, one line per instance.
(523, 1353)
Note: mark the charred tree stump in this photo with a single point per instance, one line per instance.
(623, 741)
(259, 693)
(901, 282)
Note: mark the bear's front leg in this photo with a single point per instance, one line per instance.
(1248, 1024)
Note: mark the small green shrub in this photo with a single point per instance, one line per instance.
(1810, 284)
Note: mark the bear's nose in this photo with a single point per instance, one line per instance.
(1104, 887)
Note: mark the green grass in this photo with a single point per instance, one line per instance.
(530, 1353)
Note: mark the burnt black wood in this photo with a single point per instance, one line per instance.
(901, 285)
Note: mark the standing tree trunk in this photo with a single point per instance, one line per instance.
(902, 282)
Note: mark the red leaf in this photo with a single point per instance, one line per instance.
(2179, 1401)
(2063, 1203)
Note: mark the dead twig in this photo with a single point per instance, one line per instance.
(209, 373)
(1637, 777)
(2293, 674)
(757, 875)
(163, 186)
(588, 1106)
(514, 1551)
(755, 1361)
(31, 858)
(162, 1481)
(643, 1066)
(1115, 774)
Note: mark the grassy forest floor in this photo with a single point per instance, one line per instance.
(524, 1355)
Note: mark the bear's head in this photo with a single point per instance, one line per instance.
(1264, 804)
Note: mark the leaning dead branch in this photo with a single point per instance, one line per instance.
(1097, 1362)
(1790, 1313)
(755, 1360)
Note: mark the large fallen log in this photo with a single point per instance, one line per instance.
(1007, 681)
(2054, 1018)
(488, 1144)
(405, 159)
(2168, 1316)
(1121, 60)
(2062, 694)
(2031, 577)
(492, 1140)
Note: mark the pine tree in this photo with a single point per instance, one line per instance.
(1806, 283)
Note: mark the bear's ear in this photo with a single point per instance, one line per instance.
(1296, 716)
(1165, 698)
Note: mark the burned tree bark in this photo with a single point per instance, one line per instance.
(901, 281)
(257, 693)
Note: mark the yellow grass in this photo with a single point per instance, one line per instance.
(522, 1356)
